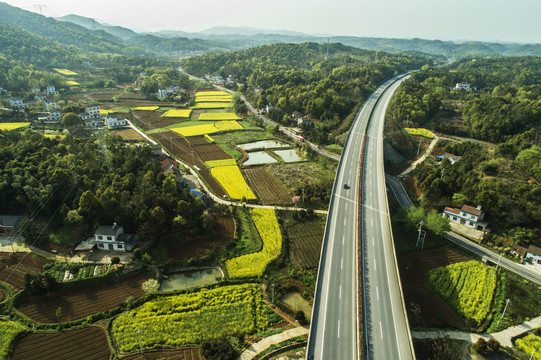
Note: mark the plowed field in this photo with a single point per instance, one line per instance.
(88, 343)
(184, 354)
(14, 276)
(78, 304)
(224, 228)
(267, 188)
(179, 147)
(305, 241)
(209, 152)
(213, 183)
(198, 140)
(425, 308)
(150, 120)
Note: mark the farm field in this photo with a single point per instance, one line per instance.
(13, 125)
(14, 276)
(215, 127)
(224, 228)
(424, 307)
(529, 345)
(8, 331)
(128, 134)
(191, 353)
(150, 120)
(267, 188)
(210, 105)
(420, 132)
(468, 287)
(87, 343)
(225, 162)
(255, 264)
(219, 116)
(231, 179)
(191, 318)
(213, 183)
(65, 72)
(179, 147)
(305, 241)
(296, 175)
(78, 304)
(197, 140)
(209, 152)
(179, 113)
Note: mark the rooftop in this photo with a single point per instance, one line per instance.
(471, 210)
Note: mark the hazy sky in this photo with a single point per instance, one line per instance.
(486, 20)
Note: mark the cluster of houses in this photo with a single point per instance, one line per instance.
(218, 79)
(303, 121)
(170, 90)
(464, 86)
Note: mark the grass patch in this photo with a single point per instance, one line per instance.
(68, 235)
(248, 240)
(8, 332)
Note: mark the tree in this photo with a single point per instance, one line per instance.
(115, 260)
(480, 346)
(58, 313)
(71, 120)
(459, 199)
(218, 349)
(415, 215)
(493, 344)
(437, 223)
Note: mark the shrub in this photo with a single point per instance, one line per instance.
(115, 260)
(480, 346)
(218, 349)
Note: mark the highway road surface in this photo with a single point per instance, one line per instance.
(334, 333)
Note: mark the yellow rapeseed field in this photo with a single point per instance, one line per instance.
(198, 130)
(216, 163)
(72, 83)
(219, 116)
(180, 113)
(206, 105)
(147, 108)
(420, 131)
(232, 181)
(13, 126)
(65, 72)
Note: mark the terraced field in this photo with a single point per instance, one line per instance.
(78, 304)
(305, 241)
(87, 343)
(267, 188)
(209, 152)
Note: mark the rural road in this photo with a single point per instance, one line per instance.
(334, 332)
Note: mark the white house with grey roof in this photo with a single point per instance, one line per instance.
(114, 238)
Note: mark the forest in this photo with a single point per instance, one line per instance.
(326, 82)
(85, 183)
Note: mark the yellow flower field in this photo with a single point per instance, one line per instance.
(212, 93)
(198, 130)
(13, 126)
(205, 105)
(65, 72)
(72, 83)
(181, 113)
(219, 116)
(232, 181)
(52, 136)
(105, 112)
(420, 131)
(226, 99)
(209, 138)
(216, 163)
(147, 108)
(254, 264)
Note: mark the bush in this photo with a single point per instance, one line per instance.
(480, 346)
(115, 260)
(137, 254)
(218, 349)
(493, 344)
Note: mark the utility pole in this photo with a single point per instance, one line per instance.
(498, 264)
(421, 236)
(40, 7)
(140, 342)
(505, 308)
(533, 352)
(442, 171)
(272, 301)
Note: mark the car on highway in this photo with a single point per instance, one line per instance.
(346, 186)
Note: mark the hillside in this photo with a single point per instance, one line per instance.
(91, 24)
(62, 32)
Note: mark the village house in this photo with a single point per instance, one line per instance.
(170, 166)
(49, 104)
(452, 158)
(533, 255)
(519, 251)
(54, 116)
(113, 122)
(51, 90)
(114, 238)
(40, 97)
(10, 224)
(91, 116)
(16, 103)
(36, 90)
(468, 216)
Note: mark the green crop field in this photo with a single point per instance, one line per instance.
(8, 332)
(192, 318)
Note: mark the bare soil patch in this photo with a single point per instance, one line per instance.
(209, 152)
(198, 140)
(224, 228)
(128, 134)
(88, 343)
(77, 304)
(267, 188)
(425, 308)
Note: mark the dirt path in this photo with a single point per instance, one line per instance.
(422, 158)
(260, 346)
(504, 337)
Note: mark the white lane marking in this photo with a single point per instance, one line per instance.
(340, 294)
(343, 240)
(380, 329)
(372, 222)
(346, 206)
(377, 292)
(344, 222)
(373, 242)
(339, 328)
(375, 264)
(344, 198)
(342, 263)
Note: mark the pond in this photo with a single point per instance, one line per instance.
(259, 157)
(296, 302)
(289, 156)
(264, 144)
(190, 279)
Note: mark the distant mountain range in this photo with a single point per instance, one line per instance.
(90, 35)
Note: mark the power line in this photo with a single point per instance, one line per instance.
(40, 7)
